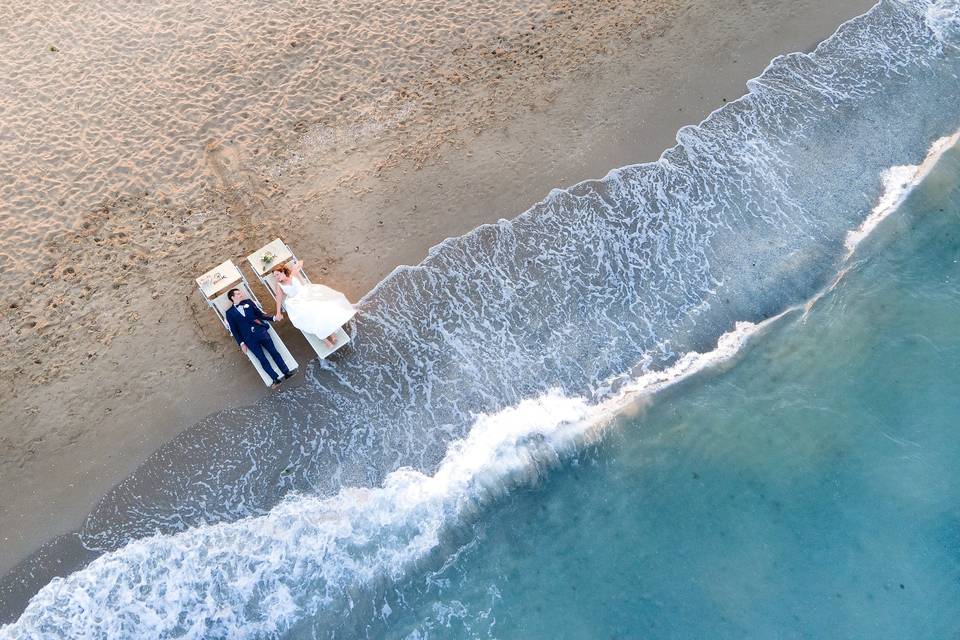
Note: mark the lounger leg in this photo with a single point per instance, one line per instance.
(257, 350)
(272, 350)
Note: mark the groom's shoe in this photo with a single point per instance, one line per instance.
(289, 375)
(276, 383)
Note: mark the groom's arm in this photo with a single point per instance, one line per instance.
(260, 315)
(234, 329)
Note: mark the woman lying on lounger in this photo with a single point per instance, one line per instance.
(313, 308)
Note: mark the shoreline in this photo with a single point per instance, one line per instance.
(552, 147)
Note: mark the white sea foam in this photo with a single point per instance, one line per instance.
(898, 182)
(943, 17)
(259, 576)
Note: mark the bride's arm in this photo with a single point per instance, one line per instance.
(296, 270)
(279, 295)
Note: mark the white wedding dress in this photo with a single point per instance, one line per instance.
(316, 309)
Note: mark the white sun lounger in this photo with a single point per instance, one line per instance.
(214, 285)
(263, 261)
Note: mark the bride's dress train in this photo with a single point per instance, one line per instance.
(315, 308)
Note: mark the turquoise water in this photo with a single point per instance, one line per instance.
(811, 490)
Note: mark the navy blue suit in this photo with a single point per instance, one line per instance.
(252, 328)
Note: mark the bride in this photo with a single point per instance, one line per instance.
(313, 308)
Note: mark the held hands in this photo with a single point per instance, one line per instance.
(278, 317)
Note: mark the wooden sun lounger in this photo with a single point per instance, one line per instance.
(214, 285)
(263, 261)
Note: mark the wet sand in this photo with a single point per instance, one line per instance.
(109, 352)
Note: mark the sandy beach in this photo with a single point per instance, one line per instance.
(108, 351)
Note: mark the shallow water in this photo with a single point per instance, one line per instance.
(810, 491)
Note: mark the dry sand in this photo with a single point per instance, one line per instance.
(108, 352)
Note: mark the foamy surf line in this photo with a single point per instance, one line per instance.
(262, 576)
(898, 183)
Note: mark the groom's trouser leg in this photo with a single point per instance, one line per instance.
(256, 348)
(272, 350)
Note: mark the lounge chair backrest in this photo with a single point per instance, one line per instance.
(216, 283)
(280, 254)
(219, 280)
(222, 303)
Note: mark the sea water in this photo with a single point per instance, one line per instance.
(502, 362)
(811, 490)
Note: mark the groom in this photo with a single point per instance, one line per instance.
(249, 327)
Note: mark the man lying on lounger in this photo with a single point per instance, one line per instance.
(251, 329)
